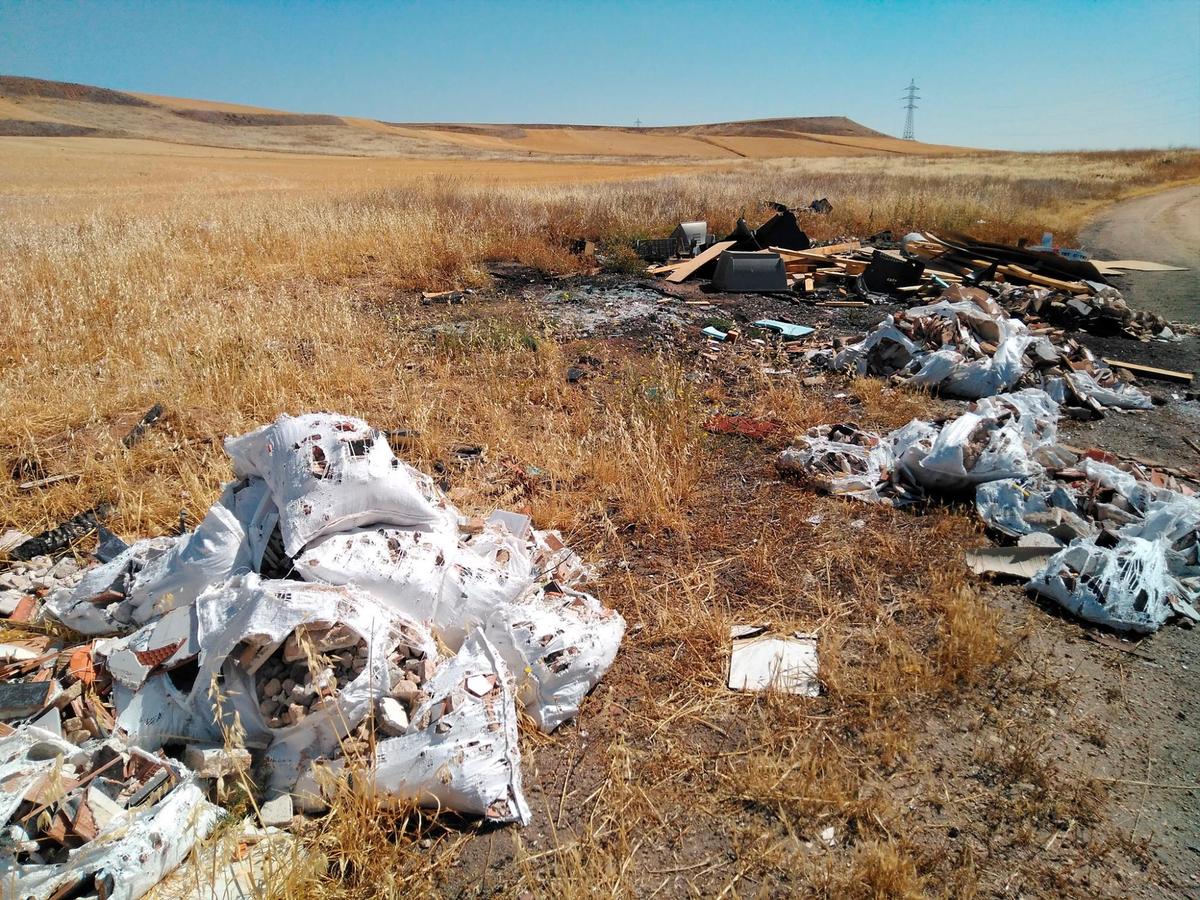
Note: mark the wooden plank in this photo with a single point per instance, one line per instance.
(843, 304)
(684, 272)
(670, 267)
(1071, 287)
(817, 253)
(46, 482)
(1150, 371)
(1132, 265)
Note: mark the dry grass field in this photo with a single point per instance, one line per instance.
(233, 285)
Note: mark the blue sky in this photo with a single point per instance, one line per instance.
(1049, 75)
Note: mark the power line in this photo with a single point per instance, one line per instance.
(911, 95)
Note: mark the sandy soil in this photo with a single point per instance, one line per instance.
(1163, 227)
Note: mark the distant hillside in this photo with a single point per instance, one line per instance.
(34, 107)
(832, 125)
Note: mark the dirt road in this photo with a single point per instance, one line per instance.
(1164, 228)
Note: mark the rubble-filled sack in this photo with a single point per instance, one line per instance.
(98, 604)
(1127, 586)
(558, 644)
(215, 551)
(995, 441)
(842, 460)
(266, 613)
(328, 473)
(303, 671)
(461, 749)
(130, 854)
(404, 568)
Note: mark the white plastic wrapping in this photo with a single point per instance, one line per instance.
(1127, 587)
(381, 553)
(1119, 395)
(461, 749)
(97, 605)
(404, 568)
(264, 612)
(328, 473)
(841, 467)
(215, 551)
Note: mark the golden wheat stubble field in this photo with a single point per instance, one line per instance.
(233, 287)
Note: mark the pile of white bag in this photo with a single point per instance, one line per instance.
(1130, 551)
(498, 617)
(966, 346)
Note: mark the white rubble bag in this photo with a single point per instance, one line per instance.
(327, 473)
(1118, 395)
(996, 441)
(272, 610)
(558, 645)
(403, 568)
(248, 609)
(98, 604)
(1127, 587)
(1016, 508)
(132, 852)
(461, 749)
(215, 551)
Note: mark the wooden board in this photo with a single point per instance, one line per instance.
(1115, 266)
(1070, 287)
(816, 252)
(668, 267)
(684, 272)
(1150, 371)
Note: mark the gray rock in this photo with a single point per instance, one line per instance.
(277, 812)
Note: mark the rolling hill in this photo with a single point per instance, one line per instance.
(31, 107)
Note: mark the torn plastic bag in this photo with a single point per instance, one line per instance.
(487, 573)
(1119, 394)
(988, 377)
(265, 613)
(251, 501)
(1127, 587)
(841, 460)
(461, 750)
(327, 473)
(255, 613)
(1033, 411)
(97, 605)
(132, 852)
(216, 551)
(558, 644)
(971, 450)
(885, 350)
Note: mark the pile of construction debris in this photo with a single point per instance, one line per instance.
(331, 603)
(1115, 547)
(966, 346)
(1034, 284)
